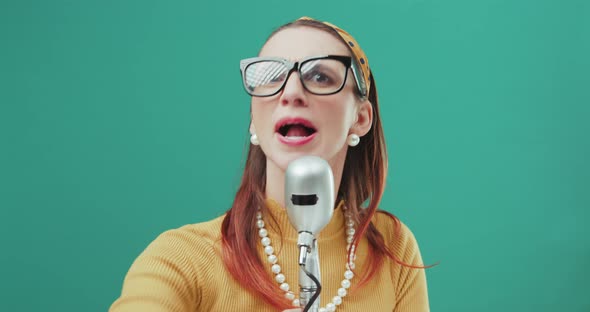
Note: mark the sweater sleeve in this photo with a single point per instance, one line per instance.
(161, 279)
(411, 289)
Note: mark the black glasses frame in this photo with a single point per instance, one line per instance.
(296, 66)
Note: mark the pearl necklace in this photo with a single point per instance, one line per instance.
(280, 277)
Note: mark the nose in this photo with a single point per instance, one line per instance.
(293, 92)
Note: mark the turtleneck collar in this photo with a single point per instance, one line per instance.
(277, 212)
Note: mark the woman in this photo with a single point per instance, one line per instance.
(313, 93)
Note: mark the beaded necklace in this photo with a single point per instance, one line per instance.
(280, 277)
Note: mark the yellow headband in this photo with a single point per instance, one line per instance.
(358, 54)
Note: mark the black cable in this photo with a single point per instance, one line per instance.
(318, 285)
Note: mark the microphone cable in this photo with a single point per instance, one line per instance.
(318, 285)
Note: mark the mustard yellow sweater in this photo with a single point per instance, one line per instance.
(182, 270)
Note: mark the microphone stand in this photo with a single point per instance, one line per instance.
(309, 198)
(309, 273)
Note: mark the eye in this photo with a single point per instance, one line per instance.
(322, 74)
(319, 77)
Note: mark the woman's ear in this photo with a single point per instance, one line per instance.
(364, 119)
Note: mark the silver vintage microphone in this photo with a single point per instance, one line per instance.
(309, 199)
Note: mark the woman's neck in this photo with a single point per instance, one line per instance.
(275, 183)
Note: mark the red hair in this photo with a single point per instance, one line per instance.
(363, 180)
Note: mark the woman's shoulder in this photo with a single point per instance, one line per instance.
(407, 269)
(170, 269)
(194, 234)
(190, 241)
(397, 235)
(210, 229)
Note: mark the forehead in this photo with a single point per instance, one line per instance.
(295, 43)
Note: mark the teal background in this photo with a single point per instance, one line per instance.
(122, 119)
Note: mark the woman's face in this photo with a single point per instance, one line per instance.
(294, 122)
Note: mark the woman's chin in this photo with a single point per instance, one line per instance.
(282, 161)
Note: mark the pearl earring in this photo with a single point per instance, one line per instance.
(353, 139)
(254, 139)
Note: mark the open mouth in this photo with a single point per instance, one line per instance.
(296, 130)
(294, 127)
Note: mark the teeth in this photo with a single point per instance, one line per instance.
(295, 138)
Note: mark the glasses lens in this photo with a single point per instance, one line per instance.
(323, 76)
(265, 77)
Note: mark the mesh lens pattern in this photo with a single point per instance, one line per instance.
(265, 77)
(319, 75)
